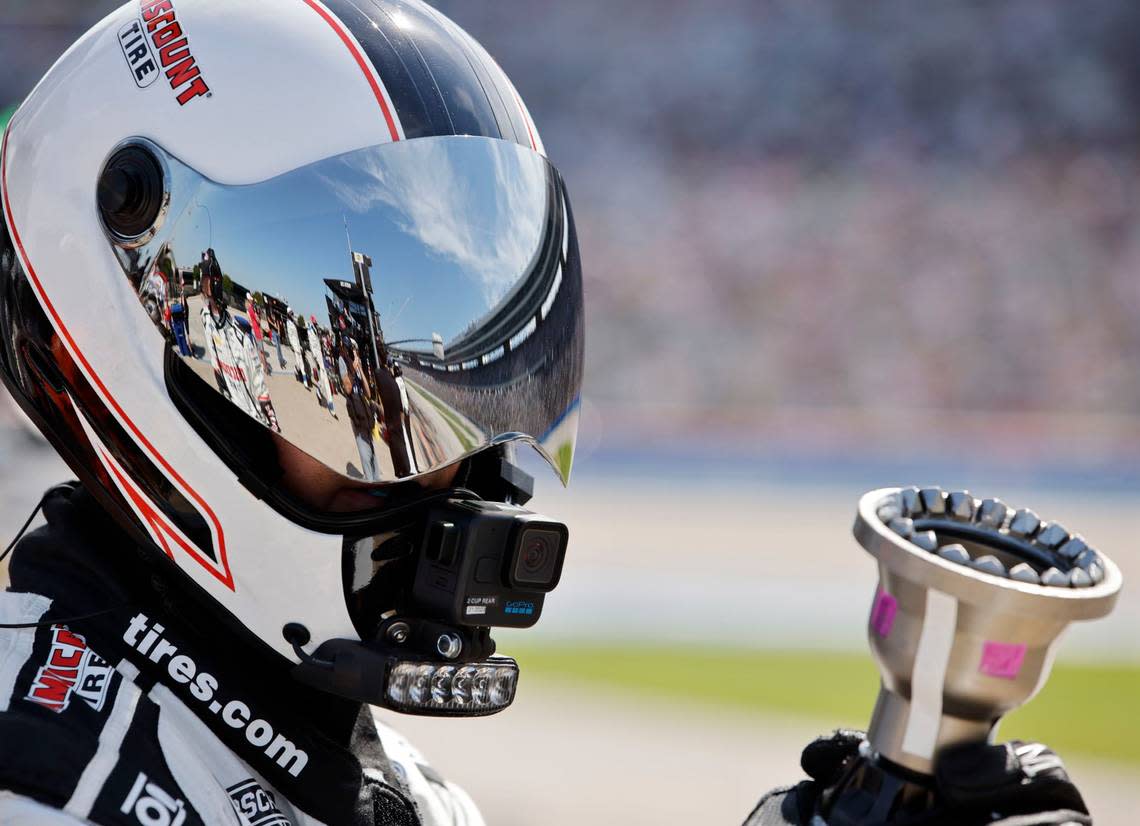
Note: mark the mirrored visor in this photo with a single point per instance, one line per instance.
(387, 311)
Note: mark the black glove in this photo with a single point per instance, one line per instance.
(823, 760)
(1012, 784)
(1025, 782)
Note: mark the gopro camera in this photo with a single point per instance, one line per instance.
(488, 563)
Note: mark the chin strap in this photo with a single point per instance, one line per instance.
(20, 535)
(297, 635)
(60, 621)
(27, 522)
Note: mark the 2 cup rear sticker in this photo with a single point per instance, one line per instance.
(477, 606)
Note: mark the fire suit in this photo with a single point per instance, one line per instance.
(318, 372)
(237, 366)
(298, 353)
(149, 712)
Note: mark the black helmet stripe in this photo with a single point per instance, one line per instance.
(435, 87)
(502, 96)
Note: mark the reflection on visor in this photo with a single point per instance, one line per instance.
(387, 311)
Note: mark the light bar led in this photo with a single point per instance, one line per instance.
(469, 689)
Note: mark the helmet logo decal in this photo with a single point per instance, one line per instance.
(165, 33)
(140, 59)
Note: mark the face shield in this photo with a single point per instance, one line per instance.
(388, 311)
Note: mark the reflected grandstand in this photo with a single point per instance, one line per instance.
(514, 368)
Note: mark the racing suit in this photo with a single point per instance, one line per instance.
(393, 401)
(148, 714)
(318, 372)
(237, 366)
(298, 355)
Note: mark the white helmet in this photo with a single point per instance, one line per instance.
(365, 164)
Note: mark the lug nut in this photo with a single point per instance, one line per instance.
(1079, 578)
(1023, 572)
(909, 501)
(960, 505)
(1090, 561)
(902, 526)
(1087, 558)
(1052, 536)
(925, 540)
(991, 513)
(990, 564)
(890, 509)
(955, 553)
(1024, 524)
(1096, 573)
(933, 501)
(1073, 548)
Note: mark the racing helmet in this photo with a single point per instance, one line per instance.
(366, 166)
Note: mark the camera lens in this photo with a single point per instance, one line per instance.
(534, 555)
(537, 558)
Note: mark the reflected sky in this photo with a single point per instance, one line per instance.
(461, 218)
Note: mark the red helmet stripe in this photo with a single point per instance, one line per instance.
(526, 118)
(160, 528)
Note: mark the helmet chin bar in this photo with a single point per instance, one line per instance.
(972, 598)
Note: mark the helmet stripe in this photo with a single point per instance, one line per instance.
(369, 73)
(526, 117)
(441, 81)
(490, 77)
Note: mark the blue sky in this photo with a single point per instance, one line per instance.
(450, 225)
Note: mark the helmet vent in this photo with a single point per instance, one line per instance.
(131, 193)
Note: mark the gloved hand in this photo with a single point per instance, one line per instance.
(1010, 784)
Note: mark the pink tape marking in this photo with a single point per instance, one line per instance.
(1002, 659)
(883, 613)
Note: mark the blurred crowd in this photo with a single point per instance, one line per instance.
(815, 205)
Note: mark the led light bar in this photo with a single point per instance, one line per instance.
(462, 689)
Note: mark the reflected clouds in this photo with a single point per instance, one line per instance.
(486, 224)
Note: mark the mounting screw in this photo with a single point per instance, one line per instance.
(398, 632)
(449, 645)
